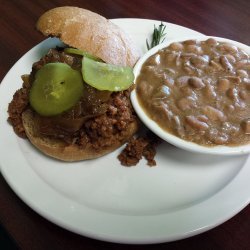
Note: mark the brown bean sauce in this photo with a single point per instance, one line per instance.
(199, 91)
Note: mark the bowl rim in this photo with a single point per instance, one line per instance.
(173, 139)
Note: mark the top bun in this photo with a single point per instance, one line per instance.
(90, 32)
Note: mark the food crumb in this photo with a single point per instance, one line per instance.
(138, 147)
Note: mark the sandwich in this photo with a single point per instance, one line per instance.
(75, 103)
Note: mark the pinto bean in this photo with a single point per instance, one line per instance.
(178, 61)
(178, 126)
(246, 82)
(194, 49)
(168, 113)
(162, 92)
(202, 118)
(225, 47)
(230, 108)
(145, 89)
(242, 73)
(147, 69)
(199, 61)
(223, 85)
(169, 71)
(214, 54)
(158, 74)
(161, 107)
(171, 57)
(211, 42)
(243, 94)
(230, 58)
(210, 92)
(190, 42)
(246, 126)
(195, 123)
(215, 66)
(213, 113)
(169, 81)
(239, 104)
(152, 60)
(196, 82)
(225, 63)
(187, 91)
(243, 55)
(234, 79)
(186, 103)
(232, 93)
(189, 70)
(182, 81)
(243, 64)
(186, 56)
(176, 46)
(177, 121)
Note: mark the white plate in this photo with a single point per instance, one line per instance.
(184, 195)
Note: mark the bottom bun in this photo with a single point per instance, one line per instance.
(58, 149)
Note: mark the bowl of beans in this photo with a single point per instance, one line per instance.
(195, 94)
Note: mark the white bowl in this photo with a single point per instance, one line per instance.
(174, 140)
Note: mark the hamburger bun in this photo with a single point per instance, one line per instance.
(90, 32)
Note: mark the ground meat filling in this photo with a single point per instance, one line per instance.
(142, 146)
(99, 130)
(17, 106)
(105, 129)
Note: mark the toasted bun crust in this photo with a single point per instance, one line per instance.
(90, 32)
(60, 150)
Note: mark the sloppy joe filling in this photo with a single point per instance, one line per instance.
(198, 91)
(99, 119)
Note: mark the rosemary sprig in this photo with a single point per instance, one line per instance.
(157, 37)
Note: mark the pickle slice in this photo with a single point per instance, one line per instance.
(57, 88)
(104, 76)
(81, 53)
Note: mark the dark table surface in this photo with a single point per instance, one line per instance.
(225, 18)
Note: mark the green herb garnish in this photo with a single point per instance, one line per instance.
(157, 37)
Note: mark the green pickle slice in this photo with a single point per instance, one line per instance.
(57, 88)
(103, 76)
(81, 53)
